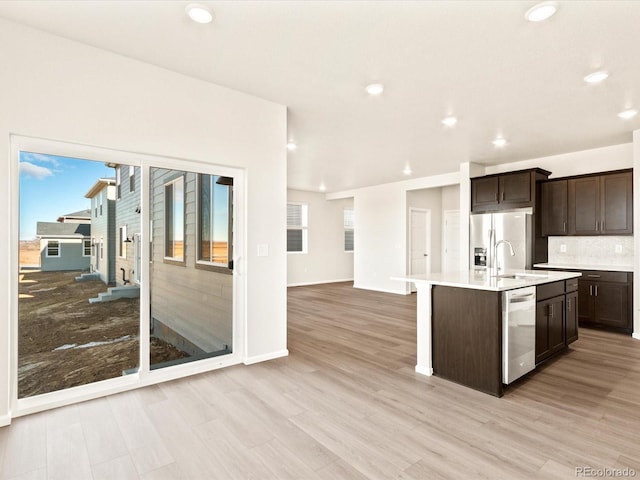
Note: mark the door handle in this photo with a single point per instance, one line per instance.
(426, 254)
(597, 225)
(502, 195)
(596, 290)
(564, 227)
(590, 290)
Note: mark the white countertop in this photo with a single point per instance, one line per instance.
(575, 266)
(481, 280)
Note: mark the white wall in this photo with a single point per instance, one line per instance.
(58, 89)
(451, 197)
(428, 199)
(325, 260)
(615, 157)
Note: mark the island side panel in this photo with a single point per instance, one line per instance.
(467, 337)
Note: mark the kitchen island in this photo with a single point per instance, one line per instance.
(459, 321)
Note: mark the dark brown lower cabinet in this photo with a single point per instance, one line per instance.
(604, 299)
(550, 327)
(571, 318)
(556, 317)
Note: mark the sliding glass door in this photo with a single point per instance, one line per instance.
(191, 274)
(126, 271)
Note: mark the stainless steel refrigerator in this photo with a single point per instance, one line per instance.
(487, 229)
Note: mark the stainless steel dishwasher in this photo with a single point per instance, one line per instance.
(518, 333)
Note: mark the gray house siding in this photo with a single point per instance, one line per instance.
(126, 214)
(70, 258)
(194, 303)
(102, 220)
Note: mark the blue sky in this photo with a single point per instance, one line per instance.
(51, 186)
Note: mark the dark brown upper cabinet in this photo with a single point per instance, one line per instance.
(601, 204)
(598, 204)
(554, 207)
(505, 191)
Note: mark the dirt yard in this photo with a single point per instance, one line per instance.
(64, 341)
(29, 252)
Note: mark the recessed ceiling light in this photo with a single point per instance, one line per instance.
(628, 114)
(597, 77)
(291, 146)
(407, 170)
(322, 187)
(449, 121)
(375, 89)
(499, 142)
(541, 11)
(199, 13)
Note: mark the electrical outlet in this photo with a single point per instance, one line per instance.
(563, 248)
(618, 248)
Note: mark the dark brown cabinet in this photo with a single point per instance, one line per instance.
(616, 204)
(571, 317)
(604, 299)
(600, 204)
(550, 321)
(554, 207)
(506, 190)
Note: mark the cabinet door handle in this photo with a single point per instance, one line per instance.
(596, 290)
(502, 195)
(495, 196)
(568, 304)
(590, 290)
(564, 227)
(597, 225)
(594, 276)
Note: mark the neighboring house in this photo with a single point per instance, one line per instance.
(64, 246)
(127, 225)
(82, 216)
(103, 231)
(191, 269)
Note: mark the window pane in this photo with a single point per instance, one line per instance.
(294, 215)
(294, 241)
(348, 218)
(220, 222)
(174, 218)
(348, 240)
(206, 246)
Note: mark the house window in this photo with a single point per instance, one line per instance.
(100, 195)
(296, 228)
(132, 178)
(174, 220)
(122, 242)
(53, 248)
(214, 220)
(348, 229)
(86, 248)
(101, 248)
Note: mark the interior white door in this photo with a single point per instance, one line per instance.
(420, 241)
(451, 241)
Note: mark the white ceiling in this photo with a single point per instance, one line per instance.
(479, 60)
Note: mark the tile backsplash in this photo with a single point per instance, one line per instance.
(604, 250)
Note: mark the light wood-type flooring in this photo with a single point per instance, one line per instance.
(346, 404)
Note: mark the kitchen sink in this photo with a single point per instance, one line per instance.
(520, 276)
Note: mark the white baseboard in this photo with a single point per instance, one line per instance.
(636, 336)
(305, 284)
(5, 420)
(266, 356)
(424, 370)
(383, 290)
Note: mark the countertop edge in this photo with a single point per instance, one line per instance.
(602, 268)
